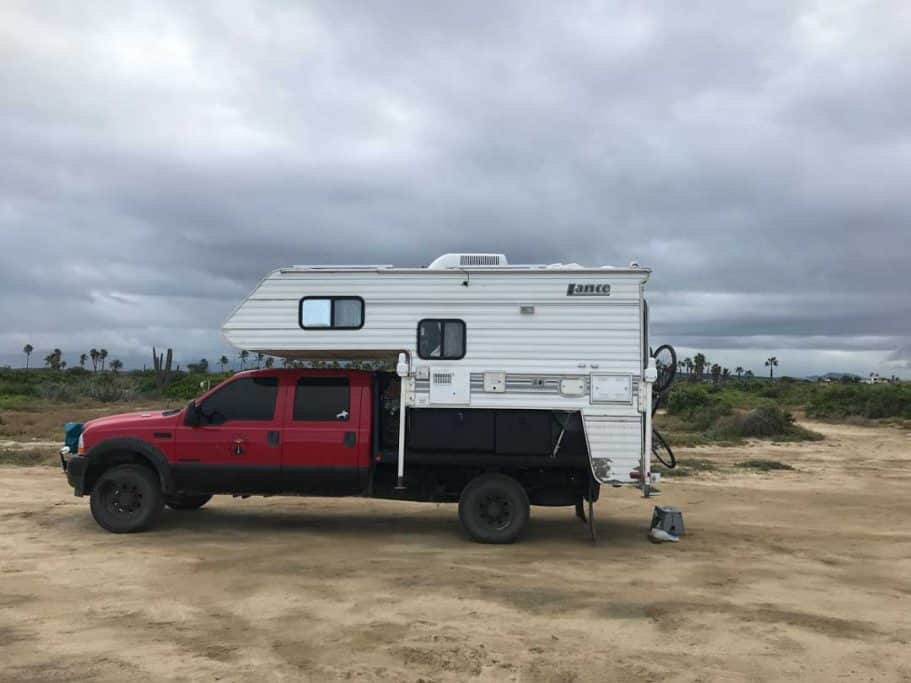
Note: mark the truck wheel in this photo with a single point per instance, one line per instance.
(494, 508)
(127, 498)
(186, 502)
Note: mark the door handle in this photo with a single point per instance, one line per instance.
(350, 439)
(238, 448)
(272, 438)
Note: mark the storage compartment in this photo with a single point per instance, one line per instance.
(432, 429)
(526, 432)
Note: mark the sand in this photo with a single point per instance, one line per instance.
(802, 574)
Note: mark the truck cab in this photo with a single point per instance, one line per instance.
(326, 433)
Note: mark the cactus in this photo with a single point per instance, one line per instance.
(162, 363)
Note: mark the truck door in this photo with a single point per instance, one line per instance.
(325, 439)
(237, 446)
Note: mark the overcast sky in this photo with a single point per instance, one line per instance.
(159, 158)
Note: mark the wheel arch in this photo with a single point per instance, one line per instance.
(123, 450)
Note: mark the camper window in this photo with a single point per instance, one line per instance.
(443, 339)
(322, 399)
(332, 312)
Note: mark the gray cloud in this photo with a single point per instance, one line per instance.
(159, 158)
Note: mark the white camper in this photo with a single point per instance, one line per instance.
(473, 332)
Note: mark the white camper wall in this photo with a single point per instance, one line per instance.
(562, 332)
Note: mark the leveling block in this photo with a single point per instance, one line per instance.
(667, 524)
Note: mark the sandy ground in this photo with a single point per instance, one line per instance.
(785, 575)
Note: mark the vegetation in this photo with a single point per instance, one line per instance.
(764, 465)
(875, 401)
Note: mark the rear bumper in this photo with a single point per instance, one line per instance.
(74, 467)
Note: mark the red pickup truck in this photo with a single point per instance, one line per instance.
(329, 433)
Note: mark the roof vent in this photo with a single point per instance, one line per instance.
(468, 260)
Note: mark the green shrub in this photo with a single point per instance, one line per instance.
(188, 386)
(697, 406)
(686, 397)
(861, 400)
(764, 422)
(59, 392)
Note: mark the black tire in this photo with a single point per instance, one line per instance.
(186, 502)
(127, 498)
(494, 508)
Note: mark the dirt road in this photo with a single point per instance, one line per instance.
(802, 574)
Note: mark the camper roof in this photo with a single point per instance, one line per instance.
(461, 262)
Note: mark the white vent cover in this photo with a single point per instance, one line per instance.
(450, 386)
(468, 260)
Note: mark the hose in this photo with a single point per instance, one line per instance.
(667, 371)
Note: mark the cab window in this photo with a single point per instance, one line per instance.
(322, 399)
(248, 398)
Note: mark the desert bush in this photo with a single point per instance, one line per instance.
(188, 386)
(59, 392)
(861, 400)
(687, 397)
(764, 465)
(764, 422)
(106, 389)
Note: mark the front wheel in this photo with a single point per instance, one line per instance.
(127, 498)
(494, 508)
(186, 502)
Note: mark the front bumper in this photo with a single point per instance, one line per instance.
(74, 467)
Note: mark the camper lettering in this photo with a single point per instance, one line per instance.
(576, 289)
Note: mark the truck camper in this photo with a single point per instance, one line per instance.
(490, 385)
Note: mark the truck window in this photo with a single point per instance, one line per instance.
(444, 339)
(322, 399)
(248, 398)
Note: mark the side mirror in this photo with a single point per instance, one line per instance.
(191, 417)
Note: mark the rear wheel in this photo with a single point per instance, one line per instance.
(186, 502)
(127, 498)
(494, 508)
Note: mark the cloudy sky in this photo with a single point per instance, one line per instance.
(158, 158)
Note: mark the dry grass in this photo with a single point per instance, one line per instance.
(29, 457)
(44, 420)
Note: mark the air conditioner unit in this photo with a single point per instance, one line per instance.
(467, 261)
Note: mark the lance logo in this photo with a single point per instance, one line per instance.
(576, 289)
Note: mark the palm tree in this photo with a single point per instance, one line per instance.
(286, 363)
(270, 361)
(748, 374)
(93, 354)
(699, 363)
(259, 358)
(27, 350)
(739, 371)
(688, 362)
(771, 363)
(102, 355)
(116, 365)
(725, 374)
(82, 359)
(716, 373)
(222, 362)
(244, 355)
(54, 360)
